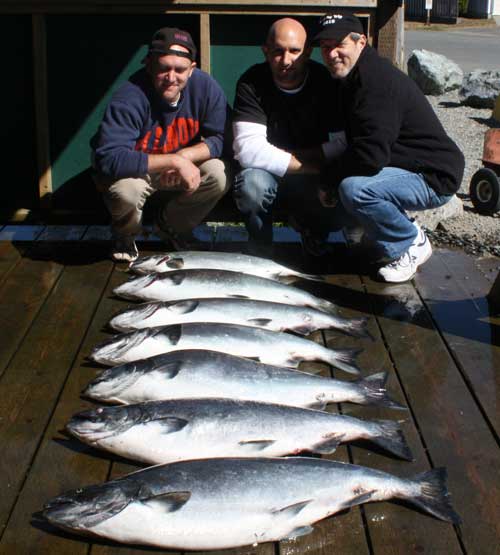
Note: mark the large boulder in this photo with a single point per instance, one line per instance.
(434, 74)
(480, 88)
(434, 216)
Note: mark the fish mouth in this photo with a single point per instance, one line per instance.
(112, 382)
(117, 346)
(124, 320)
(89, 427)
(128, 289)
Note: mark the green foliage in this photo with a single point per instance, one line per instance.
(463, 6)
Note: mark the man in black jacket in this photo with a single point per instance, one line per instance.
(398, 155)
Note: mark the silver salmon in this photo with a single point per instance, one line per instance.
(230, 502)
(158, 432)
(245, 312)
(189, 260)
(200, 373)
(201, 284)
(270, 347)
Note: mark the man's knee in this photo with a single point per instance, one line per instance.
(252, 187)
(355, 191)
(129, 191)
(215, 176)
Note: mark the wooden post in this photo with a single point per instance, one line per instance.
(42, 112)
(390, 26)
(205, 42)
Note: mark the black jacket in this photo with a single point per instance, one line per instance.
(389, 122)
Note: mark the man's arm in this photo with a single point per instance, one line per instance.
(176, 171)
(114, 153)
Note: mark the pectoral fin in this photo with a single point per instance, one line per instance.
(357, 499)
(328, 446)
(167, 502)
(184, 307)
(256, 444)
(175, 263)
(261, 322)
(171, 424)
(291, 510)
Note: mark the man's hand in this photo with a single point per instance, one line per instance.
(170, 179)
(183, 175)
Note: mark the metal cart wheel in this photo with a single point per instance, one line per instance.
(485, 191)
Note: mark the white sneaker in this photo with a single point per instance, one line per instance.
(124, 250)
(405, 267)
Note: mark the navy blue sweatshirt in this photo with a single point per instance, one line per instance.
(138, 122)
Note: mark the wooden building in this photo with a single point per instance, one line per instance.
(63, 59)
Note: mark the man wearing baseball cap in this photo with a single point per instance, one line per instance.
(398, 155)
(162, 130)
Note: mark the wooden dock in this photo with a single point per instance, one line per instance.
(438, 337)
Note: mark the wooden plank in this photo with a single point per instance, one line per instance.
(31, 384)
(42, 5)
(61, 463)
(15, 233)
(386, 520)
(455, 294)
(10, 255)
(451, 425)
(63, 233)
(344, 532)
(41, 110)
(98, 233)
(23, 293)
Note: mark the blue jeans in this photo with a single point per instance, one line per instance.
(378, 204)
(257, 192)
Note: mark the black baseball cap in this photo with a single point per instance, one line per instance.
(337, 26)
(165, 38)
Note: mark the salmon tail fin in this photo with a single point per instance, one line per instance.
(345, 359)
(434, 497)
(356, 327)
(374, 391)
(391, 438)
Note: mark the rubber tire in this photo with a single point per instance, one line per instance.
(485, 191)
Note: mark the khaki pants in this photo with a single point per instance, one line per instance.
(125, 200)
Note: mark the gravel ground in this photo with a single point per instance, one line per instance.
(473, 232)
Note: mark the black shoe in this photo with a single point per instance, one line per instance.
(314, 245)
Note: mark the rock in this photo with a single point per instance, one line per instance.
(431, 218)
(434, 74)
(480, 88)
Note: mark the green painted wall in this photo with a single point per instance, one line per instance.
(17, 113)
(236, 45)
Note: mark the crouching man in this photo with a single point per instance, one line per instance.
(398, 155)
(162, 130)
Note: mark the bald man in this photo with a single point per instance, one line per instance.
(286, 128)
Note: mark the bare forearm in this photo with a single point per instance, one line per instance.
(158, 163)
(197, 154)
